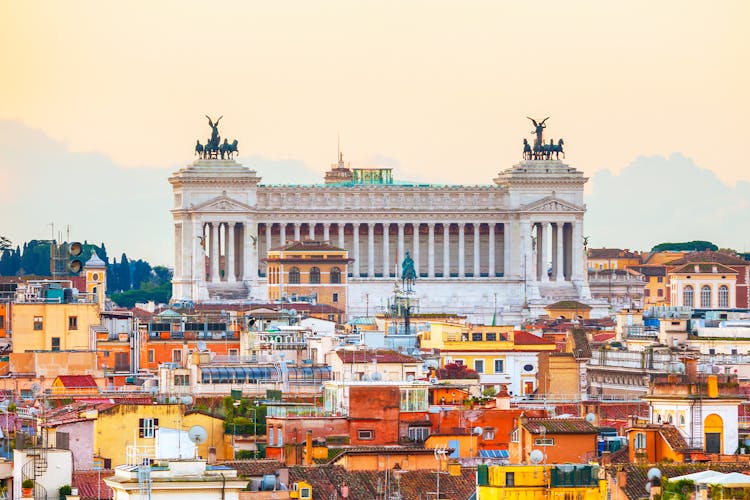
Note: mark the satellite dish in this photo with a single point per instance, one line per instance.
(376, 376)
(201, 345)
(197, 434)
(536, 456)
(477, 430)
(410, 378)
(648, 487)
(35, 388)
(715, 369)
(590, 418)
(653, 473)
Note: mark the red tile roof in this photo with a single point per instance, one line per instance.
(603, 337)
(703, 268)
(525, 338)
(77, 381)
(559, 426)
(379, 355)
(709, 256)
(91, 485)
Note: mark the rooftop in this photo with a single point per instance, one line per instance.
(559, 426)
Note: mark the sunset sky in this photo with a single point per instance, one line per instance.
(440, 90)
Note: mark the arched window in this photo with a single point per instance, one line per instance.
(705, 296)
(723, 296)
(314, 275)
(687, 296)
(335, 275)
(294, 276)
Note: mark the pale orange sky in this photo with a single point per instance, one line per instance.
(440, 87)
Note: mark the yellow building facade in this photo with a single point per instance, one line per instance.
(123, 427)
(305, 268)
(39, 326)
(540, 482)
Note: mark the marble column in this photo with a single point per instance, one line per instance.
(297, 231)
(400, 255)
(446, 250)
(431, 250)
(539, 264)
(545, 247)
(311, 226)
(576, 251)
(269, 239)
(250, 250)
(214, 256)
(415, 246)
(491, 250)
(355, 249)
(370, 250)
(461, 249)
(477, 269)
(231, 276)
(507, 251)
(199, 255)
(386, 250)
(282, 234)
(327, 231)
(340, 229)
(560, 267)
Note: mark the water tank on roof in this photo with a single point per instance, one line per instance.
(268, 483)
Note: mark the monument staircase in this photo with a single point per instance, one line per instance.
(556, 291)
(228, 291)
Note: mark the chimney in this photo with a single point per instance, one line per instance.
(606, 459)
(211, 455)
(691, 368)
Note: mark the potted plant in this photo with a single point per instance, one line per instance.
(64, 491)
(27, 487)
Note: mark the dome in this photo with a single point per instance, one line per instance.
(95, 261)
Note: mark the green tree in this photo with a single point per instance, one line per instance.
(123, 273)
(686, 246)
(5, 243)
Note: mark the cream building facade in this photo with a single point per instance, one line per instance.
(509, 247)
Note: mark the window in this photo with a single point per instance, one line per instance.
(72, 322)
(335, 276)
(122, 362)
(640, 441)
(660, 279)
(414, 399)
(712, 351)
(491, 336)
(151, 355)
(499, 366)
(476, 336)
(682, 420)
(660, 293)
(514, 436)
(294, 276)
(233, 352)
(2, 322)
(418, 433)
(647, 292)
(314, 275)
(544, 442)
(38, 323)
(365, 434)
(705, 296)
(528, 367)
(176, 355)
(335, 297)
(723, 297)
(147, 427)
(55, 343)
(479, 365)
(459, 361)
(489, 433)
(510, 479)
(182, 380)
(687, 296)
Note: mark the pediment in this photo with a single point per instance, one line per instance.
(552, 204)
(221, 203)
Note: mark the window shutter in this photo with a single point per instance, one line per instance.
(156, 423)
(140, 427)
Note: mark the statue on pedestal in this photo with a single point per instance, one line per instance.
(408, 274)
(213, 149)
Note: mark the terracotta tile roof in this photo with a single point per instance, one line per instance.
(650, 270)
(559, 426)
(611, 253)
(603, 337)
(78, 381)
(710, 256)
(248, 468)
(703, 268)
(672, 436)
(308, 246)
(379, 355)
(86, 482)
(635, 487)
(569, 304)
(521, 337)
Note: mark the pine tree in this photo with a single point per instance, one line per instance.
(123, 273)
(113, 284)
